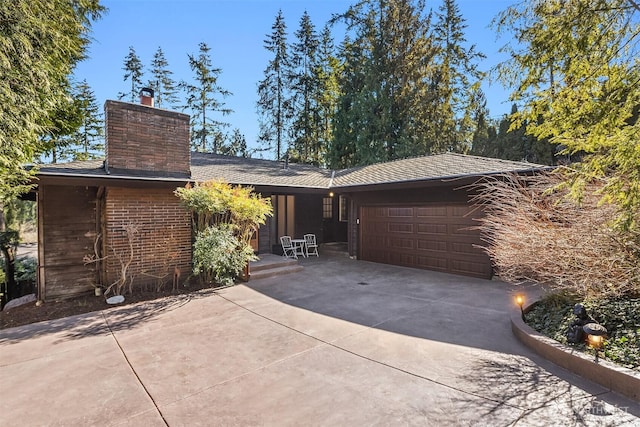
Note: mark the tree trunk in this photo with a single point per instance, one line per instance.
(9, 254)
(8, 241)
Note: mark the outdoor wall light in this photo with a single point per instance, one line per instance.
(331, 194)
(520, 302)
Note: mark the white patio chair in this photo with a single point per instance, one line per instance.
(312, 245)
(288, 250)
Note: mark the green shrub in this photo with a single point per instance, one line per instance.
(552, 315)
(26, 269)
(218, 256)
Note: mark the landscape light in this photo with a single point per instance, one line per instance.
(520, 302)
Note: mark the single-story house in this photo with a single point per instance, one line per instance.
(412, 212)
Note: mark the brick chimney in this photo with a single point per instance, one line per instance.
(144, 140)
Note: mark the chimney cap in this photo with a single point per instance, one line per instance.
(147, 91)
(146, 96)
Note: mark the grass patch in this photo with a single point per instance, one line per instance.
(552, 315)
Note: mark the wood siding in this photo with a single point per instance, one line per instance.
(68, 224)
(308, 219)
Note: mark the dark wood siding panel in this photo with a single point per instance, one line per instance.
(435, 237)
(308, 215)
(68, 219)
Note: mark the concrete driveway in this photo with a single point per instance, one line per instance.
(342, 342)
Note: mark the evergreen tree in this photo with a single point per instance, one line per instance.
(274, 105)
(133, 71)
(304, 87)
(326, 73)
(574, 68)
(204, 100)
(383, 111)
(57, 141)
(40, 44)
(162, 83)
(89, 136)
(480, 113)
(457, 75)
(237, 145)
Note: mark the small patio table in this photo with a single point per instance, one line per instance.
(299, 244)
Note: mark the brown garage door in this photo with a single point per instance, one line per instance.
(433, 237)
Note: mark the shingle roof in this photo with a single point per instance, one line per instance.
(238, 170)
(424, 168)
(259, 172)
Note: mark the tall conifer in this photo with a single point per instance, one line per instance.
(162, 83)
(205, 100)
(274, 104)
(133, 71)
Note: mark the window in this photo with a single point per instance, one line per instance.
(327, 208)
(344, 209)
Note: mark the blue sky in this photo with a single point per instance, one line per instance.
(235, 31)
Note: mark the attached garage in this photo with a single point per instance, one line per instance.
(419, 213)
(431, 236)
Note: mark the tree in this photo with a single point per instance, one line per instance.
(89, 136)
(133, 70)
(304, 87)
(41, 42)
(58, 139)
(575, 72)
(274, 105)
(326, 73)
(236, 146)
(457, 75)
(164, 87)
(384, 109)
(480, 114)
(203, 99)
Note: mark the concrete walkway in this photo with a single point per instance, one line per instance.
(342, 342)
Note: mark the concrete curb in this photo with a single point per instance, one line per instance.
(615, 378)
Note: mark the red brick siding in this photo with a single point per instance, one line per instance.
(163, 239)
(143, 138)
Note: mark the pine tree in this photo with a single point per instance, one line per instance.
(162, 83)
(575, 72)
(274, 105)
(383, 112)
(457, 75)
(58, 141)
(40, 44)
(133, 70)
(326, 73)
(304, 87)
(204, 100)
(89, 136)
(480, 113)
(237, 145)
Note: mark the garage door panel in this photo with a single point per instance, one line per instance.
(432, 263)
(431, 245)
(435, 237)
(401, 258)
(423, 228)
(397, 227)
(431, 211)
(401, 244)
(400, 212)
